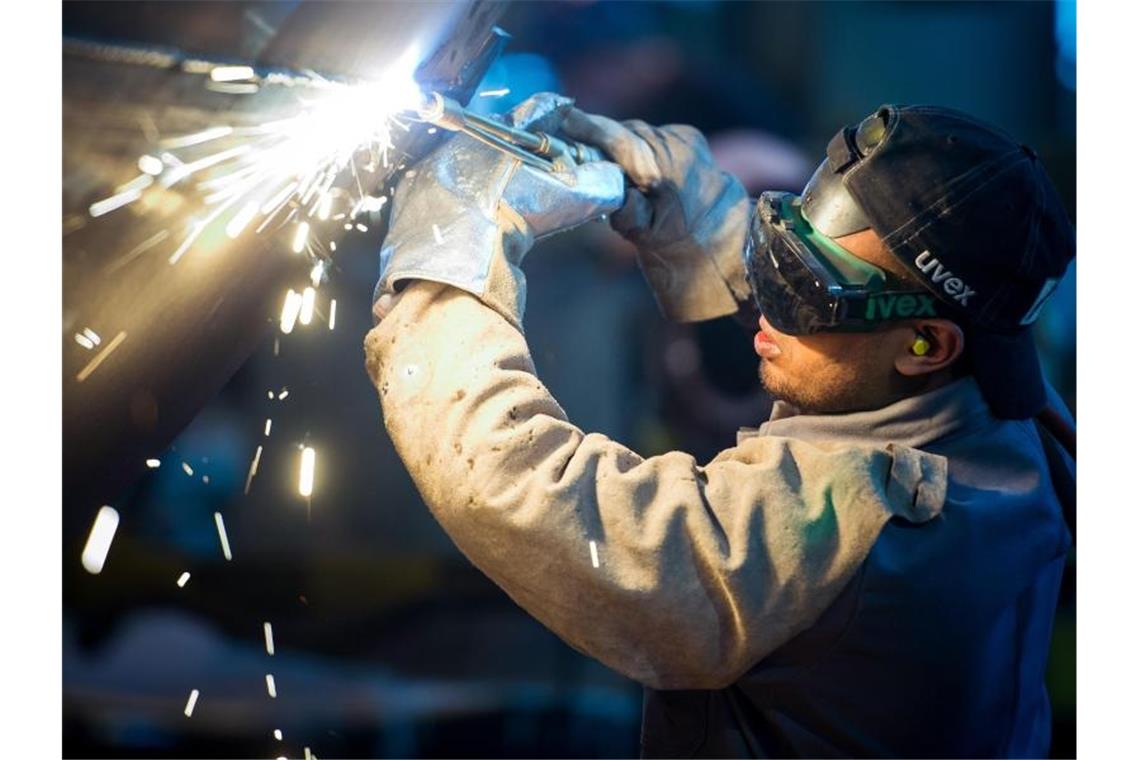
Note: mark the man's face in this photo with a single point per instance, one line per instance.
(838, 372)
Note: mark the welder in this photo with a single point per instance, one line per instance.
(875, 569)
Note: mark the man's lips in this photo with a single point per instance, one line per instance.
(765, 346)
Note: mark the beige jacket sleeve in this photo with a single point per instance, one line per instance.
(675, 574)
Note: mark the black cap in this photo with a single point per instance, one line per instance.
(974, 217)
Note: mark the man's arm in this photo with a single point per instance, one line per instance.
(700, 571)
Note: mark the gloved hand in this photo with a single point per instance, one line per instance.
(467, 214)
(687, 217)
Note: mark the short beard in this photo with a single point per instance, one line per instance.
(840, 395)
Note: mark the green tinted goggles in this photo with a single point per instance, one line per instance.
(804, 282)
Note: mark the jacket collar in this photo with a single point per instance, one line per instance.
(916, 421)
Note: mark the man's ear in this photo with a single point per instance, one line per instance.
(935, 345)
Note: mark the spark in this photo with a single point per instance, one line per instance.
(277, 734)
(308, 754)
(188, 469)
(270, 395)
(362, 227)
(268, 638)
(308, 464)
(242, 219)
(150, 165)
(283, 394)
(438, 235)
(193, 700)
(197, 229)
(99, 539)
(84, 341)
(100, 357)
(270, 685)
(308, 300)
(222, 536)
(138, 250)
(332, 246)
(289, 312)
(495, 93)
(268, 426)
(231, 73)
(182, 579)
(92, 335)
(179, 173)
(280, 198)
(332, 313)
(317, 273)
(153, 463)
(252, 469)
(594, 553)
(119, 200)
(301, 237)
(233, 88)
(197, 138)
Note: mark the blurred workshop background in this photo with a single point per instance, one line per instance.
(387, 642)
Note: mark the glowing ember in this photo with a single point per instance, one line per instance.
(289, 313)
(270, 685)
(252, 469)
(150, 165)
(308, 464)
(242, 219)
(222, 536)
(182, 579)
(99, 540)
(594, 553)
(193, 700)
(300, 237)
(332, 313)
(308, 300)
(231, 73)
(268, 638)
(100, 357)
(153, 463)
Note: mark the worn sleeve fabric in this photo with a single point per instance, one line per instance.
(676, 574)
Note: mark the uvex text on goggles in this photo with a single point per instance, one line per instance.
(804, 282)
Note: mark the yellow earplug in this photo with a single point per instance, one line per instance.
(921, 346)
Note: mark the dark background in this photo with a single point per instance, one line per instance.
(388, 642)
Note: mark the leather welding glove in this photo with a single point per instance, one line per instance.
(467, 213)
(687, 217)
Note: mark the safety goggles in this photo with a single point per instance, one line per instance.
(804, 282)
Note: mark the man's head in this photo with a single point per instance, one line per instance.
(834, 372)
(922, 249)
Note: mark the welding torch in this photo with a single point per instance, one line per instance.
(537, 149)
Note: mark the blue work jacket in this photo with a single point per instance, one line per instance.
(937, 647)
